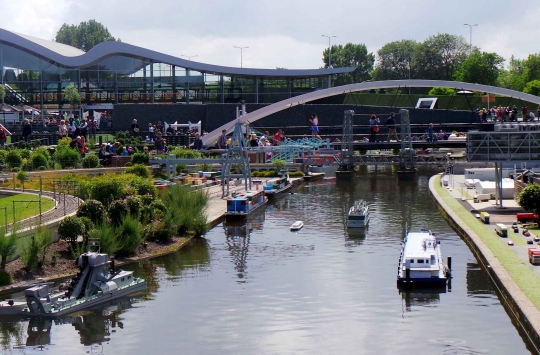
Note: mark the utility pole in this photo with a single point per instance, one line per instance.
(470, 35)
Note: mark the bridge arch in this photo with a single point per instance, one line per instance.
(211, 137)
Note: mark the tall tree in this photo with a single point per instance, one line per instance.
(513, 78)
(439, 56)
(395, 61)
(350, 55)
(480, 68)
(84, 36)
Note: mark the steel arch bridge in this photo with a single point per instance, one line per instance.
(212, 137)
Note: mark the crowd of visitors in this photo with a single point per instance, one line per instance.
(507, 114)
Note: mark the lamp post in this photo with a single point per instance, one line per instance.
(329, 48)
(470, 35)
(188, 56)
(241, 50)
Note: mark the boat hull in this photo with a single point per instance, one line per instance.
(94, 302)
(358, 224)
(273, 193)
(240, 215)
(421, 282)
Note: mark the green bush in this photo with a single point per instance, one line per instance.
(203, 167)
(160, 230)
(5, 278)
(67, 157)
(8, 245)
(64, 142)
(108, 239)
(279, 164)
(14, 159)
(142, 186)
(134, 205)
(3, 155)
(29, 253)
(183, 206)
(25, 153)
(186, 153)
(139, 170)
(130, 235)
(90, 161)
(180, 167)
(107, 188)
(38, 160)
(118, 210)
(23, 177)
(296, 174)
(200, 225)
(43, 239)
(42, 151)
(93, 210)
(70, 228)
(140, 158)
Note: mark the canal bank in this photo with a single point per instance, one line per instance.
(514, 281)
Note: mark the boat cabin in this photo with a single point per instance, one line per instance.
(245, 202)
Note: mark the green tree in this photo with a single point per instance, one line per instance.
(529, 198)
(395, 60)
(350, 55)
(438, 91)
(513, 77)
(480, 68)
(84, 36)
(439, 56)
(23, 177)
(71, 94)
(8, 245)
(533, 88)
(2, 92)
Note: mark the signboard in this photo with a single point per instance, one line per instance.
(428, 102)
(488, 98)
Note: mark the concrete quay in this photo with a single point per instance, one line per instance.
(517, 281)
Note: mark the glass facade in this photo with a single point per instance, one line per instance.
(33, 80)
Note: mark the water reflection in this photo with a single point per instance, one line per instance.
(238, 234)
(478, 283)
(421, 297)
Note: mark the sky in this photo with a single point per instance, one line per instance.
(283, 33)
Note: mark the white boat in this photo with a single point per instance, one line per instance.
(420, 261)
(358, 215)
(296, 226)
(97, 281)
(277, 185)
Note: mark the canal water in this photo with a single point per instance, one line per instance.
(258, 288)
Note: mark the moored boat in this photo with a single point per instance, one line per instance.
(296, 226)
(358, 216)
(97, 281)
(420, 261)
(242, 204)
(277, 185)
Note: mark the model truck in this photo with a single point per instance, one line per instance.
(534, 256)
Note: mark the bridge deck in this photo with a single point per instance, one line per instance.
(397, 145)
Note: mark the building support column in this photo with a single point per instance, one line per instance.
(116, 87)
(289, 88)
(222, 89)
(152, 82)
(329, 81)
(40, 94)
(187, 86)
(173, 84)
(256, 89)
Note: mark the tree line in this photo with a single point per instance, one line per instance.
(440, 57)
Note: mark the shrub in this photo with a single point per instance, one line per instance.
(43, 239)
(67, 157)
(5, 278)
(183, 205)
(139, 170)
(64, 142)
(128, 164)
(186, 153)
(93, 210)
(25, 153)
(14, 159)
(43, 152)
(29, 250)
(107, 188)
(203, 167)
(200, 225)
(117, 212)
(130, 235)
(38, 160)
(180, 167)
(108, 239)
(142, 186)
(134, 206)
(3, 155)
(90, 161)
(279, 164)
(296, 174)
(160, 230)
(140, 158)
(8, 245)
(22, 176)
(70, 228)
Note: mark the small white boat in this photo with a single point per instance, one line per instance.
(420, 261)
(358, 215)
(296, 226)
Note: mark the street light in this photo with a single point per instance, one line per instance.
(241, 50)
(329, 48)
(470, 36)
(188, 56)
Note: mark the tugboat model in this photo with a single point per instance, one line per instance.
(277, 185)
(96, 282)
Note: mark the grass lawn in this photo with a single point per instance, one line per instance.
(524, 277)
(22, 209)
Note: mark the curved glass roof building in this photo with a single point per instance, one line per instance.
(36, 72)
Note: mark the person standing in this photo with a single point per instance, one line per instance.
(373, 128)
(222, 140)
(92, 126)
(62, 129)
(27, 130)
(391, 125)
(159, 143)
(151, 132)
(83, 128)
(3, 136)
(198, 143)
(314, 126)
